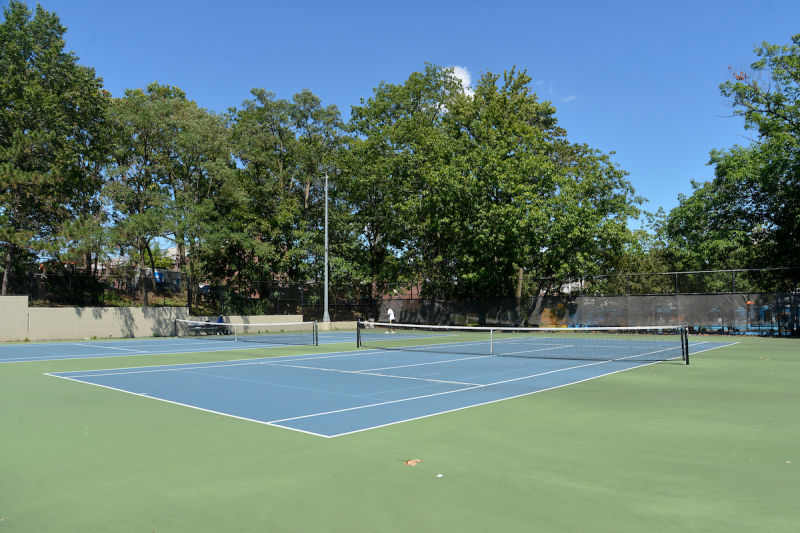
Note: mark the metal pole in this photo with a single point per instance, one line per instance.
(325, 316)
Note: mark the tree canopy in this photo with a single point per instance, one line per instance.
(51, 118)
(748, 216)
(463, 194)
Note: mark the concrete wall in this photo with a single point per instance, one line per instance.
(54, 323)
(18, 322)
(13, 318)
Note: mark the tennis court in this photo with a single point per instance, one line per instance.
(49, 351)
(407, 378)
(667, 447)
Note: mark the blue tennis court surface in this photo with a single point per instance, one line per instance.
(48, 351)
(335, 394)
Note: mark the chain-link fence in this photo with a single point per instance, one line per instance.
(690, 282)
(174, 289)
(763, 313)
(715, 301)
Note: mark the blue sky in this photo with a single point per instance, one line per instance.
(640, 78)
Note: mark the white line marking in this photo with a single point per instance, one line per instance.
(487, 402)
(484, 385)
(427, 363)
(187, 405)
(537, 350)
(64, 357)
(368, 373)
(277, 423)
(110, 348)
(509, 397)
(709, 349)
(219, 364)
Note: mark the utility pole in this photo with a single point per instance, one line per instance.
(325, 316)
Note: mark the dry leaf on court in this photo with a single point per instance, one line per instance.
(412, 462)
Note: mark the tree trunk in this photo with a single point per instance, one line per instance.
(518, 295)
(152, 268)
(8, 261)
(186, 274)
(143, 275)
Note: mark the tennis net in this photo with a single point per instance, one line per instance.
(277, 333)
(637, 344)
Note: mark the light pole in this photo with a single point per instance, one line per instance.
(325, 316)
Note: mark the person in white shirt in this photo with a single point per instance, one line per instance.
(390, 313)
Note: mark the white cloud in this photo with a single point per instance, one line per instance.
(466, 79)
(569, 98)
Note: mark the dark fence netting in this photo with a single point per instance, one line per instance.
(78, 289)
(345, 302)
(760, 313)
(758, 301)
(695, 282)
(170, 288)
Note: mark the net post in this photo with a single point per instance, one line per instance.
(685, 343)
(315, 333)
(358, 334)
(235, 331)
(491, 342)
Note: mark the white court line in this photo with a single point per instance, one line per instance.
(480, 386)
(63, 357)
(307, 357)
(502, 382)
(507, 397)
(709, 349)
(158, 347)
(277, 423)
(177, 367)
(222, 413)
(368, 373)
(110, 347)
(427, 363)
(538, 350)
(489, 402)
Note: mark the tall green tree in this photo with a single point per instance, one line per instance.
(748, 216)
(139, 189)
(472, 194)
(704, 233)
(284, 148)
(319, 137)
(513, 184)
(197, 167)
(51, 109)
(541, 206)
(398, 173)
(767, 175)
(269, 198)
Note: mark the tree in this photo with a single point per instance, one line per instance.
(273, 219)
(319, 136)
(470, 195)
(398, 166)
(269, 201)
(197, 168)
(138, 188)
(541, 206)
(51, 110)
(748, 216)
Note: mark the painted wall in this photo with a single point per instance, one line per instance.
(13, 318)
(18, 322)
